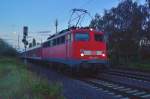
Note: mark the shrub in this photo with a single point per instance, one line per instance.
(16, 82)
(6, 49)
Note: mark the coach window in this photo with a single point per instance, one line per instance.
(58, 40)
(54, 42)
(99, 37)
(50, 44)
(62, 39)
(45, 44)
(82, 36)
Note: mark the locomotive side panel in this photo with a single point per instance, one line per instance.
(55, 52)
(58, 49)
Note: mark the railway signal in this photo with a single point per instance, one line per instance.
(25, 34)
(25, 31)
(24, 40)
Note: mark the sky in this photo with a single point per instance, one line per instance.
(40, 15)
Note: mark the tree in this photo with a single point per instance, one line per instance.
(147, 19)
(30, 45)
(125, 24)
(6, 49)
(33, 42)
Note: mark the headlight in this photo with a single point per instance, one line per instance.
(82, 54)
(103, 55)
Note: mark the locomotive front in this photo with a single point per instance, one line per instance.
(89, 49)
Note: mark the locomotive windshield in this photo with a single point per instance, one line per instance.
(99, 37)
(82, 36)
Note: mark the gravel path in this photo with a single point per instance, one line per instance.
(72, 89)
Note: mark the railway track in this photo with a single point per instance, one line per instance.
(118, 90)
(108, 84)
(130, 74)
(122, 84)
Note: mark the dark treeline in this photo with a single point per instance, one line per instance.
(126, 25)
(6, 50)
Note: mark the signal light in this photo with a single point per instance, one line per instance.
(25, 31)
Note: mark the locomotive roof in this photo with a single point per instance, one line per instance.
(35, 47)
(72, 29)
(64, 32)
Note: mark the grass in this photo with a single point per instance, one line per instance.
(140, 66)
(16, 82)
(145, 66)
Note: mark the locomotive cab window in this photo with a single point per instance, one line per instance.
(82, 37)
(99, 37)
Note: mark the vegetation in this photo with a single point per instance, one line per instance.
(33, 43)
(126, 25)
(143, 66)
(16, 82)
(6, 49)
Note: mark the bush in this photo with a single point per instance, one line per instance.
(6, 49)
(16, 82)
(48, 91)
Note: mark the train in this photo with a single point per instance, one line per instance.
(76, 48)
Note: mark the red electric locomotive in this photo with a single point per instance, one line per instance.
(78, 48)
